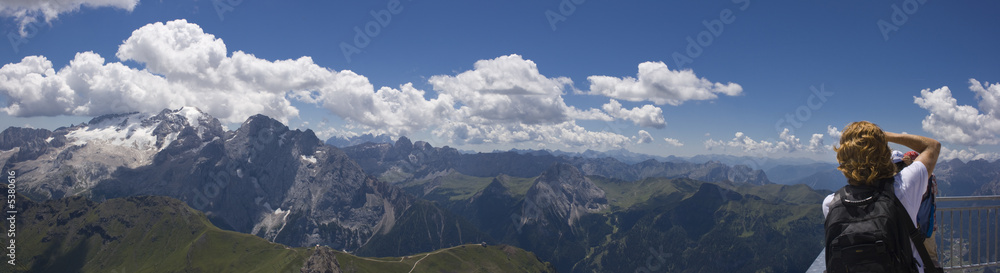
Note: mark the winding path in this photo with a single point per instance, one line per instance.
(418, 261)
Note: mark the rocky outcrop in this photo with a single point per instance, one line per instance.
(323, 260)
(32, 143)
(565, 193)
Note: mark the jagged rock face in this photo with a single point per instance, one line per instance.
(280, 184)
(323, 260)
(31, 143)
(563, 191)
(72, 160)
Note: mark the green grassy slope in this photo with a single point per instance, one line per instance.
(160, 234)
(463, 258)
(140, 234)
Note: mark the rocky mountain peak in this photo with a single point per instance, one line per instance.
(562, 173)
(31, 142)
(403, 145)
(565, 192)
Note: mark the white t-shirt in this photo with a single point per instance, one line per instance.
(911, 183)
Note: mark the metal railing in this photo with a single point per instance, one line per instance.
(967, 232)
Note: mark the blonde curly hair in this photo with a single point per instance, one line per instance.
(864, 154)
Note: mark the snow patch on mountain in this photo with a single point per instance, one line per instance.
(194, 118)
(310, 159)
(129, 131)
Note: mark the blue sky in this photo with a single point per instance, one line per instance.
(485, 75)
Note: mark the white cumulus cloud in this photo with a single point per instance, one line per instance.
(645, 116)
(565, 133)
(786, 143)
(511, 89)
(674, 142)
(645, 137)
(962, 124)
(501, 100)
(659, 84)
(186, 67)
(25, 12)
(967, 155)
(833, 132)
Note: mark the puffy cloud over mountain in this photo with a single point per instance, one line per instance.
(963, 124)
(501, 100)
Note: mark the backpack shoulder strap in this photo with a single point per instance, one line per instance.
(916, 238)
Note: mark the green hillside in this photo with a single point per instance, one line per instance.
(463, 258)
(160, 234)
(140, 234)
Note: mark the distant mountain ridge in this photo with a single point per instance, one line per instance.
(977, 177)
(406, 160)
(341, 141)
(954, 177)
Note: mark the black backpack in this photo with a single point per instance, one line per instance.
(868, 230)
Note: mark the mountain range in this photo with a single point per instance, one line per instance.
(264, 179)
(582, 212)
(407, 160)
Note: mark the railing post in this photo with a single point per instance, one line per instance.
(965, 234)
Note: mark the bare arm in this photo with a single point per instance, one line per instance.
(927, 147)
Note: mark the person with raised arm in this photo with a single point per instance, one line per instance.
(871, 222)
